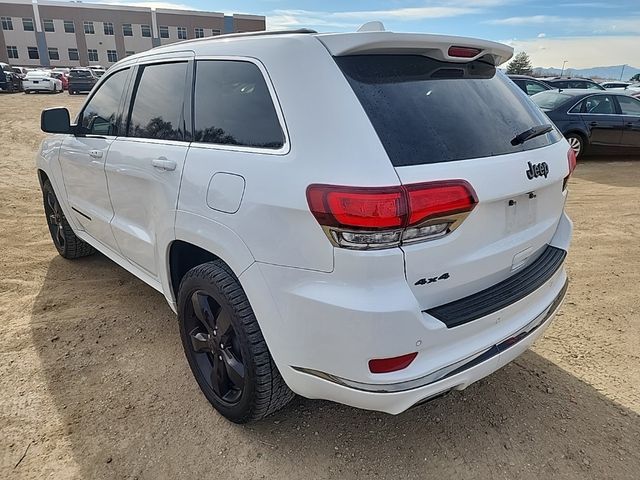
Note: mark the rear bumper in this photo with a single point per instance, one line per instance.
(323, 328)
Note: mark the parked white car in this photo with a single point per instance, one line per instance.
(41, 81)
(377, 228)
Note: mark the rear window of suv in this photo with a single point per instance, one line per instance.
(80, 73)
(428, 111)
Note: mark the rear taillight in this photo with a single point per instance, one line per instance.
(573, 161)
(381, 217)
(463, 52)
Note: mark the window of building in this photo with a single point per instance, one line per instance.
(108, 28)
(215, 31)
(48, 26)
(101, 115)
(12, 51)
(69, 27)
(27, 24)
(7, 23)
(182, 33)
(112, 56)
(164, 31)
(33, 53)
(151, 118)
(127, 30)
(233, 106)
(92, 53)
(199, 32)
(73, 54)
(53, 53)
(88, 28)
(129, 52)
(146, 30)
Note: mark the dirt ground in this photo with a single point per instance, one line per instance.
(94, 384)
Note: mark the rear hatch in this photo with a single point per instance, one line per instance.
(82, 79)
(444, 117)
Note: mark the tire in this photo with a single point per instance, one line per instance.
(213, 310)
(577, 143)
(66, 242)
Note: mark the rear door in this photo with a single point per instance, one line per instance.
(441, 121)
(600, 115)
(630, 109)
(83, 156)
(144, 165)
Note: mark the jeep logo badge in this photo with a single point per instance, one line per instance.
(537, 170)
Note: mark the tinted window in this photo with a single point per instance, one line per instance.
(629, 106)
(100, 116)
(156, 111)
(428, 111)
(535, 87)
(596, 105)
(233, 106)
(79, 74)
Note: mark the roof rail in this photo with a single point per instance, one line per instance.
(244, 34)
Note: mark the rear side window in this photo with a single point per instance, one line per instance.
(428, 111)
(157, 105)
(101, 115)
(535, 87)
(233, 106)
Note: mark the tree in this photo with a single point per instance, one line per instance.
(635, 78)
(520, 65)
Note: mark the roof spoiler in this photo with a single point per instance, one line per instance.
(438, 47)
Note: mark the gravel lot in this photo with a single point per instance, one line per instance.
(93, 382)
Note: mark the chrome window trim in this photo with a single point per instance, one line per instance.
(286, 146)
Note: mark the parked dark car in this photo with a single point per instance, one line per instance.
(81, 80)
(529, 85)
(9, 80)
(574, 83)
(593, 119)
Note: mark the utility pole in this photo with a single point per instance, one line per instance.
(562, 71)
(622, 72)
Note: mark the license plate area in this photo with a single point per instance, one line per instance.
(521, 212)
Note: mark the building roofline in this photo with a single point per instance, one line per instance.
(175, 11)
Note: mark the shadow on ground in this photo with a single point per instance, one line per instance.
(112, 357)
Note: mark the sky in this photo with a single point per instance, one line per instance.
(584, 33)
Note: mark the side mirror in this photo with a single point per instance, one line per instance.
(55, 120)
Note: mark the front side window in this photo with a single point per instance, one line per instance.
(53, 53)
(112, 56)
(7, 23)
(150, 118)
(145, 30)
(27, 24)
(127, 30)
(12, 51)
(73, 54)
(69, 27)
(198, 32)
(182, 33)
(108, 28)
(33, 53)
(92, 53)
(88, 28)
(429, 111)
(233, 106)
(164, 31)
(48, 26)
(101, 115)
(629, 105)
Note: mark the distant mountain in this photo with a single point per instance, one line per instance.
(608, 73)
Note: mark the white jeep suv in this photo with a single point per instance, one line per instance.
(371, 218)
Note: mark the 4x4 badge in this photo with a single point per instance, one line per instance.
(537, 170)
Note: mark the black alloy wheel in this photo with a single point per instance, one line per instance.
(215, 347)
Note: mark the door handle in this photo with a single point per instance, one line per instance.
(163, 164)
(95, 153)
(594, 124)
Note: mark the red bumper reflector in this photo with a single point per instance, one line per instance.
(387, 365)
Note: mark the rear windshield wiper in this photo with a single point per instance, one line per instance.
(531, 133)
